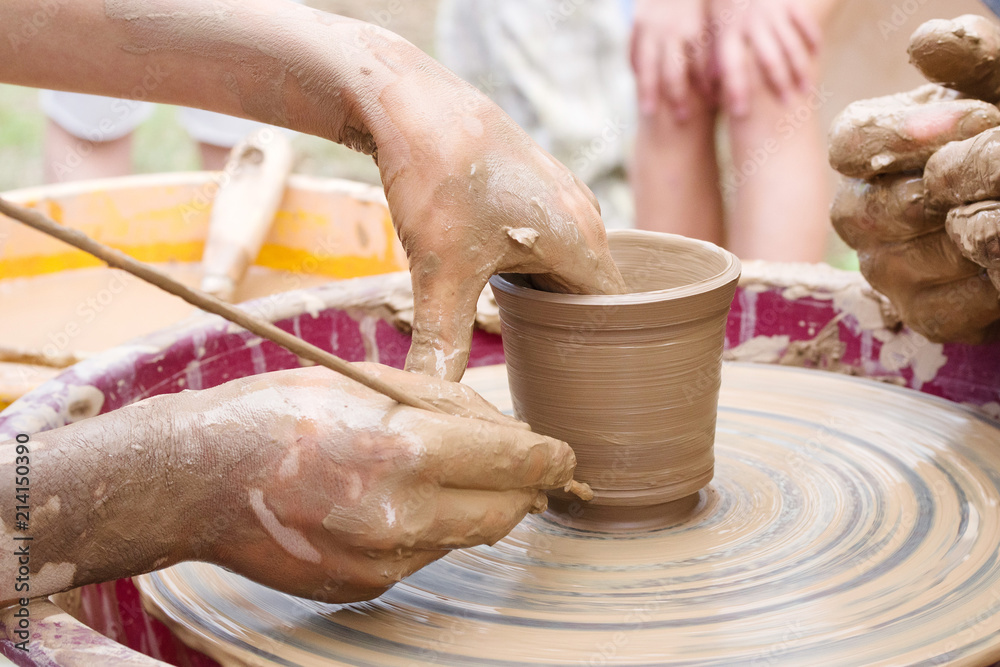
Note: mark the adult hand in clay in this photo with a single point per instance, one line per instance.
(920, 173)
(470, 193)
(301, 480)
(479, 199)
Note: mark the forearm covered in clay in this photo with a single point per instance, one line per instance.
(961, 53)
(268, 60)
(108, 497)
(899, 133)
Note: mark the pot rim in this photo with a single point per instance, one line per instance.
(729, 274)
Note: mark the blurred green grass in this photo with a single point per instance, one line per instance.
(21, 125)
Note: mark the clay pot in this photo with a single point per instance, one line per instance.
(631, 382)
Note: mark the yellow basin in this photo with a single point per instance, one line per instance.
(61, 302)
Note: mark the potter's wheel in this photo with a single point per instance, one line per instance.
(849, 523)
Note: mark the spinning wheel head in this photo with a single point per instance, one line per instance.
(850, 523)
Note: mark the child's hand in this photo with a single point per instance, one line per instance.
(670, 49)
(779, 37)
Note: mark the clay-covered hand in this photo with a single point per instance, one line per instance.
(336, 492)
(780, 38)
(919, 179)
(670, 48)
(472, 195)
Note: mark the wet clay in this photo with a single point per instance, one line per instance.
(904, 250)
(965, 178)
(848, 523)
(964, 172)
(900, 132)
(935, 289)
(960, 53)
(630, 381)
(908, 160)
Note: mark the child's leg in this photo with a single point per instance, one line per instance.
(780, 187)
(675, 175)
(780, 178)
(70, 158)
(88, 136)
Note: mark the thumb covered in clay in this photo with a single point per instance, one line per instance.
(962, 180)
(445, 300)
(900, 132)
(976, 230)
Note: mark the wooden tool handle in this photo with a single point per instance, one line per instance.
(249, 195)
(297, 346)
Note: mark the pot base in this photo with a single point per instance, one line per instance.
(617, 519)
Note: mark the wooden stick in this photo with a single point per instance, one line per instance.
(38, 221)
(262, 328)
(16, 355)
